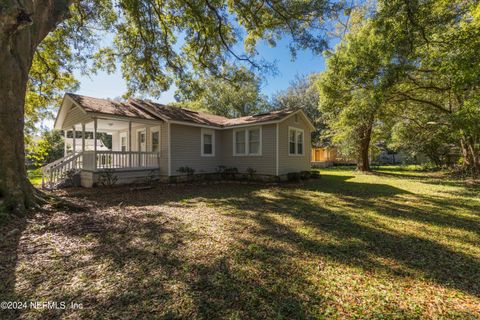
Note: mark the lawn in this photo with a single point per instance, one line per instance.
(393, 244)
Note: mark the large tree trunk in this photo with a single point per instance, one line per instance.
(15, 60)
(22, 27)
(363, 162)
(471, 156)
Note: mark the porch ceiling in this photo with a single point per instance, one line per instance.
(105, 125)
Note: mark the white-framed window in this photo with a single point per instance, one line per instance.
(247, 142)
(296, 142)
(123, 142)
(155, 135)
(207, 142)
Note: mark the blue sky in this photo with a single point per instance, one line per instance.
(103, 85)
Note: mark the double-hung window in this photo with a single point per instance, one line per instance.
(247, 142)
(295, 142)
(156, 140)
(208, 143)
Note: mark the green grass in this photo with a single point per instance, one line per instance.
(35, 177)
(394, 244)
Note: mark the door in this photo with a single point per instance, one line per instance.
(141, 146)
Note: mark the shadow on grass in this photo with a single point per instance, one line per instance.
(147, 261)
(10, 234)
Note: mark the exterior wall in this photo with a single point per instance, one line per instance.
(291, 163)
(89, 178)
(263, 164)
(74, 116)
(186, 150)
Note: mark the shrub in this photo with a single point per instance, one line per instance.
(186, 170)
(151, 177)
(72, 178)
(227, 172)
(251, 173)
(314, 174)
(107, 178)
(304, 175)
(293, 176)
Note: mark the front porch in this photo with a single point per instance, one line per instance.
(131, 151)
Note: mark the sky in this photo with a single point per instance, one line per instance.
(104, 85)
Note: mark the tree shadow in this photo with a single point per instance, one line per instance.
(135, 255)
(10, 235)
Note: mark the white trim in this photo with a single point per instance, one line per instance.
(152, 131)
(185, 123)
(169, 150)
(121, 135)
(247, 142)
(211, 132)
(138, 142)
(276, 151)
(105, 116)
(297, 130)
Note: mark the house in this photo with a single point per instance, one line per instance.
(151, 138)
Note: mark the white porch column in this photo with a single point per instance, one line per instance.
(95, 142)
(83, 137)
(65, 143)
(74, 139)
(129, 143)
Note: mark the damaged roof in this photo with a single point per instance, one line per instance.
(143, 109)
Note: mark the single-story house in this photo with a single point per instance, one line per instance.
(150, 137)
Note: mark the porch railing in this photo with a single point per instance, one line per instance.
(120, 160)
(56, 172)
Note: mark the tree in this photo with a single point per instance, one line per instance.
(436, 45)
(354, 87)
(146, 43)
(303, 94)
(48, 149)
(224, 98)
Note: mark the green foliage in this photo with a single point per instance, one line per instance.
(227, 172)
(294, 176)
(227, 98)
(251, 172)
(315, 174)
(186, 170)
(436, 44)
(107, 178)
(49, 148)
(354, 87)
(305, 175)
(303, 94)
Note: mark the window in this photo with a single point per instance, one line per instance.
(247, 142)
(295, 142)
(254, 141)
(296, 118)
(208, 143)
(240, 147)
(155, 141)
(123, 143)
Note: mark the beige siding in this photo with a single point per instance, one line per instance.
(186, 149)
(263, 164)
(74, 116)
(290, 163)
(164, 149)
